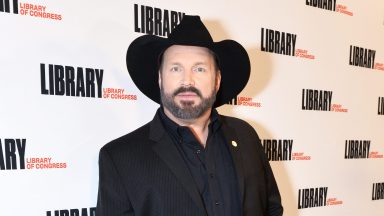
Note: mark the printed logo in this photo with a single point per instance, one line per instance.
(380, 108)
(358, 149)
(343, 9)
(322, 4)
(300, 156)
(278, 150)
(283, 43)
(6, 4)
(329, 5)
(71, 81)
(73, 212)
(379, 66)
(12, 154)
(281, 150)
(378, 191)
(315, 197)
(312, 197)
(244, 101)
(363, 57)
(302, 53)
(28, 9)
(44, 163)
(12, 157)
(40, 11)
(117, 94)
(155, 21)
(319, 100)
(278, 42)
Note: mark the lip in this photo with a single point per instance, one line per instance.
(187, 95)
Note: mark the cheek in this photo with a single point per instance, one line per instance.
(207, 87)
(167, 85)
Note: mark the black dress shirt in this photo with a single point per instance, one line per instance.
(212, 167)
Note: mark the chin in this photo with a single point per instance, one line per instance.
(187, 103)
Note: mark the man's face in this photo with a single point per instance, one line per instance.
(188, 81)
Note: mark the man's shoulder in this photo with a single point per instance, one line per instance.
(234, 122)
(241, 127)
(130, 140)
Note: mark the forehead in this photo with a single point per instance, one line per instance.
(181, 51)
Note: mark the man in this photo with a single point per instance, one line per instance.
(189, 160)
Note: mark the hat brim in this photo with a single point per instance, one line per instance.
(143, 61)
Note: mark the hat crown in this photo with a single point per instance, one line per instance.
(191, 30)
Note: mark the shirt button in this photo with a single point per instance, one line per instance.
(217, 203)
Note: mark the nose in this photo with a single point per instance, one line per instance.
(188, 79)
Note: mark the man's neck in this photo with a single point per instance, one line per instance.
(198, 126)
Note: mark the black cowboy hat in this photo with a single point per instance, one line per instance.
(144, 52)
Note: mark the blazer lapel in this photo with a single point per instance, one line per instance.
(234, 145)
(168, 152)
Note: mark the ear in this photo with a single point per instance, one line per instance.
(218, 80)
(159, 80)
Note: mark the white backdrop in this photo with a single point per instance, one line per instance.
(65, 132)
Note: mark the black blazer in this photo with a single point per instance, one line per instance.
(143, 174)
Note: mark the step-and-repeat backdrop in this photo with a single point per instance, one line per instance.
(315, 96)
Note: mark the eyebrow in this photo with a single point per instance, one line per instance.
(175, 63)
(195, 64)
(200, 63)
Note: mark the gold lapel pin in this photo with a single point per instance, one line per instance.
(234, 144)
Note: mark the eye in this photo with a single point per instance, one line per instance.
(199, 69)
(175, 68)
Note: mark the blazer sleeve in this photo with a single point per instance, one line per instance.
(274, 199)
(112, 198)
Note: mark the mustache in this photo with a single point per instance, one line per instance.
(187, 89)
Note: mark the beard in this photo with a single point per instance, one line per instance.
(187, 109)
